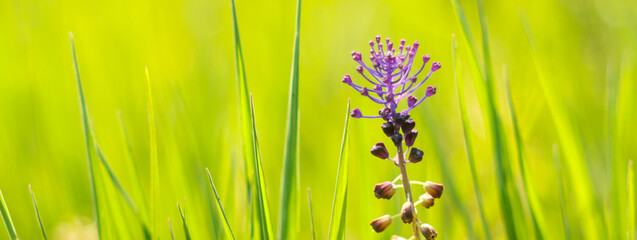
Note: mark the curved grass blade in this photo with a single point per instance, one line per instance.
(537, 218)
(466, 127)
(309, 204)
(263, 205)
(86, 128)
(37, 213)
(290, 210)
(172, 233)
(6, 217)
(229, 233)
(183, 221)
(337, 221)
(154, 164)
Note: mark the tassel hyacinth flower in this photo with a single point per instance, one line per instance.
(392, 79)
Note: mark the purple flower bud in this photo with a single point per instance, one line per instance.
(356, 113)
(356, 56)
(364, 92)
(410, 137)
(408, 125)
(371, 44)
(359, 69)
(381, 223)
(379, 150)
(425, 58)
(415, 155)
(401, 118)
(407, 212)
(390, 46)
(428, 231)
(378, 88)
(435, 66)
(411, 100)
(347, 79)
(413, 79)
(397, 139)
(430, 91)
(385, 113)
(402, 42)
(434, 189)
(377, 39)
(416, 44)
(384, 190)
(388, 128)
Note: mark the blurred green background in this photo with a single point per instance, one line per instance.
(584, 51)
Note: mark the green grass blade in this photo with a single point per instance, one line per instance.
(263, 205)
(466, 126)
(7, 218)
(154, 163)
(183, 221)
(87, 139)
(290, 181)
(630, 190)
(37, 213)
(560, 186)
(537, 218)
(309, 204)
(229, 233)
(337, 221)
(170, 227)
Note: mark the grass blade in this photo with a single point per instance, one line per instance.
(263, 205)
(630, 190)
(7, 218)
(37, 213)
(229, 233)
(529, 192)
(290, 179)
(466, 126)
(560, 186)
(309, 204)
(87, 139)
(337, 221)
(183, 221)
(132, 167)
(154, 163)
(172, 233)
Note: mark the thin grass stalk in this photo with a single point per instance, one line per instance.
(6, 217)
(339, 206)
(309, 204)
(183, 221)
(87, 140)
(154, 163)
(228, 229)
(37, 213)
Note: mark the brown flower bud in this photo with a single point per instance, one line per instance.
(428, 231)
(400, 118)
(379, 150)
(397, 139)
(410, 137)
(408, 125)
(407, 212)
(434, 189)
(381, 223)
(388, 128)
(415, 155)
(384, 190)
(427, 200)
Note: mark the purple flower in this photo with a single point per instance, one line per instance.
(391, 76)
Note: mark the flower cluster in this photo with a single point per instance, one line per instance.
(390, 75)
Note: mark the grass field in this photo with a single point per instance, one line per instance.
(217, 119)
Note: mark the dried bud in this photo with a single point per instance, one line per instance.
(411, 101)
(356, 113)
(435, 66)
(384, 190)
(408, 125)
(430, 91)
(410, 137)
(434, 189)
(397, 139)
(415, 155)
(388, 128)
(428, 231)
(379, 150)
(385, 113)
(401, 118)
(407, 212)
(381, 223)
(427, 200)
(347, 79)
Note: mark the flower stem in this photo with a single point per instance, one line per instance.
(407, 186)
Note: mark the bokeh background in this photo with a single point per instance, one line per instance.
(584, 51)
